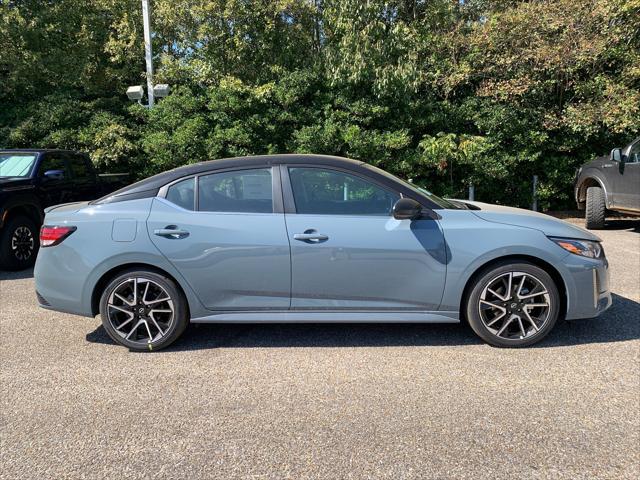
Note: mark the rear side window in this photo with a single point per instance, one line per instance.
(332, 192)
(182, 193)
(242, 191)
(78, 168)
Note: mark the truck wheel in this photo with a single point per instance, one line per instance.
(595, 210)
(18, 243)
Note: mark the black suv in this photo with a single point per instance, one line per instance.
(610, 183)
(30, 181)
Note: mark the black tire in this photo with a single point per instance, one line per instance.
(595, 208)
(533, 333)
(174, 328)
(19, 243)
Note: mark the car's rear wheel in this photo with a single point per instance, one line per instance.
(513, 304)
(18, 243)
(143, 310)
(595, 210)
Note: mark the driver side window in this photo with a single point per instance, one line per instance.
(333, 192)
(52, 162)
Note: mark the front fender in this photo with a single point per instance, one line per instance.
(599, 178)
(475, 242)
(21, 200)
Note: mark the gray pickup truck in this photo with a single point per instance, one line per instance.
(610, 184)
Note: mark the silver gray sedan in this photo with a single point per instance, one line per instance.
(311, 238)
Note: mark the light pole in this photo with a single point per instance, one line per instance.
(147, 50)
(136, 92)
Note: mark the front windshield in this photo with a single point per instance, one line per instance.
(16, 164)
(441, 202)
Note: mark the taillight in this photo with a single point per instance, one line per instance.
(51, 235)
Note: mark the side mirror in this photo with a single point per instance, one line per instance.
(407, 209)
(616, 155)
(54, 175)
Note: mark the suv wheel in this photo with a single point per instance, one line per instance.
(143, 310)
(18, 243)
(595, 208)
(513, 305)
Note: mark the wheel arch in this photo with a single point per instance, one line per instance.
(544, 265)
(29, 210)
(590, 180)
(115, 271)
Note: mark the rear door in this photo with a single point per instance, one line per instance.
(349, 253)
(83, 177)
(55, 189)
(225, 232)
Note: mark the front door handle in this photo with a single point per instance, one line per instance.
(310, 236)
(171, 232)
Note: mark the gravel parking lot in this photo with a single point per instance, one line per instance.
(323, 401)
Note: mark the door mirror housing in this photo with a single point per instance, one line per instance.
(407, 209)
(616, 155)
(54, 175)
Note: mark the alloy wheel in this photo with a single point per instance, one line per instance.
(515, 305)
(22, 243)
(140, 310)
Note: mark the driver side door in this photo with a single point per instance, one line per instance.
(627, 180)
(349, 253)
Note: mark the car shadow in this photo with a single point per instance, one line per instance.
(18, 275)
(620, 323)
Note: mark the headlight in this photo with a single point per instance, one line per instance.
(584, 248)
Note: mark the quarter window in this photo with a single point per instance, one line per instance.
(332, 192)
(243, 191)
(182, 193)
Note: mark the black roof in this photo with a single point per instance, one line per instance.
(158, 181)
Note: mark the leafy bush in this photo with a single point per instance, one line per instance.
(445, 93)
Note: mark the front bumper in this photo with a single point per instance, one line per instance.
(589, 294)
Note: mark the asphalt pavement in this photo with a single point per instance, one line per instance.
(323, 401)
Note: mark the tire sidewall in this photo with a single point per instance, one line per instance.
(8, 259)
(180, 322)
(473, 315)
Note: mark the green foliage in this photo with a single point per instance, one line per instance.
(446, 93)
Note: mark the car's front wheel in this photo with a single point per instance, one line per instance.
(143, 310)
(513, 304)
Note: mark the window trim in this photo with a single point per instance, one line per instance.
(276, 190)
(289, 198)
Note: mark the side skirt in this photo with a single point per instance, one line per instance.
(305, 316)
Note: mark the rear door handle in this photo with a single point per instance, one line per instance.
(310, 236)
(171, 232)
